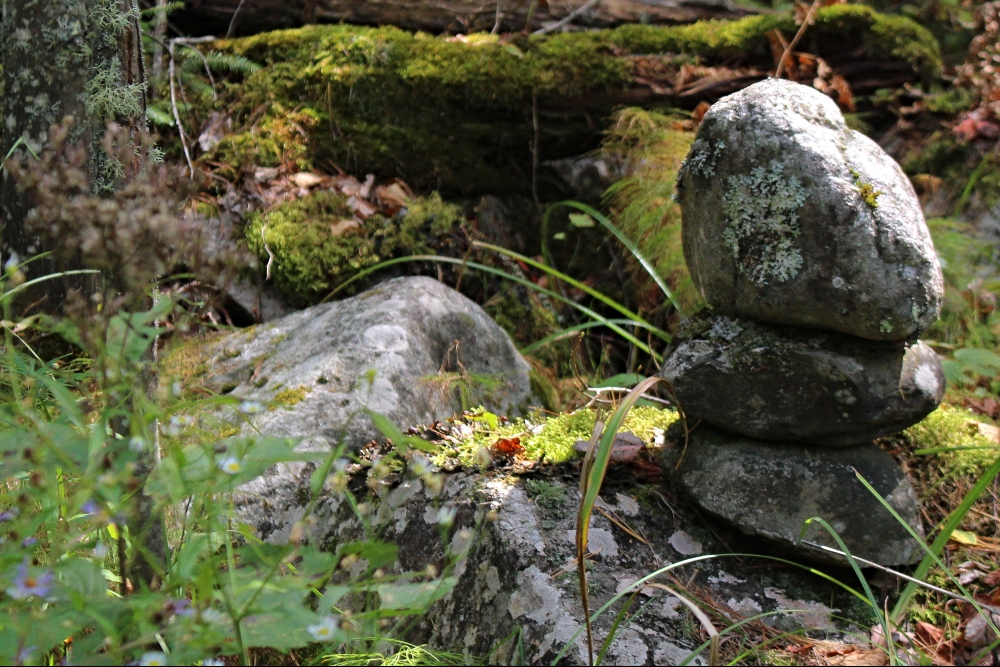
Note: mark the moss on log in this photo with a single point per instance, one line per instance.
(459, 114)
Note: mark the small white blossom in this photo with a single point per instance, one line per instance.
(137, 444)
(177, 388)
(325, 629)
(153, 658)
(251, 407)
(419, 465)
(213, 616)
(230, 465)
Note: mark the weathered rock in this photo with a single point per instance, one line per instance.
(790, 217)
(769, 489)
(411, 349)
(518, 574)
(805, 385)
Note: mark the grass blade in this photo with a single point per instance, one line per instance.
(595, 466)
(883, 621)
(606, 300)
(625, 241)
(577, 327)
(706, 623)
(508, 276)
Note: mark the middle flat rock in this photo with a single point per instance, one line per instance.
(805, 385)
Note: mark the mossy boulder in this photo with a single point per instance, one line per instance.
(457, 114)
(791, 217)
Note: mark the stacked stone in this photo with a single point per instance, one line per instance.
(809, 243)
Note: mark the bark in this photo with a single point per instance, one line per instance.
(214, 16)
(44, 78)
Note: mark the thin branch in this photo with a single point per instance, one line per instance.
(232, 22)
(496, 25)
(177, 116)
(566, 19)
(791, 45)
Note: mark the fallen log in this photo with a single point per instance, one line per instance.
(451, 16)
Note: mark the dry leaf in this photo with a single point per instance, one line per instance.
(347, 226)
(360, 207)
(265, 174)
(929, 634)
(507, 447)
(396, 194)
(305, 179)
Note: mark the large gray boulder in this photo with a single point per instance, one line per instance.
(791, 217)
(411, 349)
(769, 490)
(804, 385)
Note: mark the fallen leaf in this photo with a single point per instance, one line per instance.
(964, 537)
(306, 179)
(700, 111)
(507, 447)
(992, 579)
(342, 227)
(265, 174)
(360, 207)
(396, 194)
(929, 634)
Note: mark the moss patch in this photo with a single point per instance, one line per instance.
(287, 398)
(318, 244)
(548, 438)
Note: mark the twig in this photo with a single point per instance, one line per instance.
(496, 25)
(270, 255)
(798, 36)
(232, 21)
(177, 116)
(566, 19)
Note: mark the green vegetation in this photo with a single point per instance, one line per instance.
(287, 398)
(317, 243)
(450, 114)
(545, 494)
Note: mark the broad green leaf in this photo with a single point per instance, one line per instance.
(414, 597)
(581, 220)
(964, 537)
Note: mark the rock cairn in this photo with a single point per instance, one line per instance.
(809, 243)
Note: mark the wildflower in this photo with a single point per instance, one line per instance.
(137, 444)
(419, 465)
(230, 465)
(446, 516)
(251, 407)
(152, 658)
(90, 507)
(177, 388)
(213, 616)
(212, 661)
(9, 515)
(24, 655)
(180, 607)
(12, 263)
(101, 550)
(26, 585)
(325, 629)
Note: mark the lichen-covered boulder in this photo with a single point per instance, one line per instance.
(769, 489)
(804, 385)
(411, 349)
(791, 217)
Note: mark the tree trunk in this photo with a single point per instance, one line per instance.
(44, 80)
(214, 16)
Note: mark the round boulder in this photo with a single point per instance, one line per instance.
(806, 385)
(769, 490)
(791, 217)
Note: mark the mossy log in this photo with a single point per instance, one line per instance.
(461, 115)
(454, 16)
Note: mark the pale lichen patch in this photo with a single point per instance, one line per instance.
(761, 209)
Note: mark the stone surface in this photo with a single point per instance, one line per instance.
(411, 349)
(518, 574)
(806, 385)
(769, 490)
(790, 217)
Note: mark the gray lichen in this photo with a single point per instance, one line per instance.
(701, 160)
(761, 209)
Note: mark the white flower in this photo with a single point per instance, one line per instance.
(230, 465)
(153, 658)
(250, 407)
(446, 516)
(419, 465)
(101, 550)
(137, 444)
(325, 629)
(212, 661)
(177, 388)
(213, 616)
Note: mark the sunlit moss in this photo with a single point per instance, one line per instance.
(952, 428)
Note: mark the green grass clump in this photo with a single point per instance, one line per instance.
(545, 494)
(317, 244)
(653, 146)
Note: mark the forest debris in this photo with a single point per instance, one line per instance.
(306, 179)
(214, 130)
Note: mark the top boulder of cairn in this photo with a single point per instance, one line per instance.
(791, 217)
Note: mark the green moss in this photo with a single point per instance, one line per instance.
(316, 243)
(551, 438)
(452, 115)
(950, 428)
(287, 398)
(545, 494)
(471, 388)
(869, 195)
